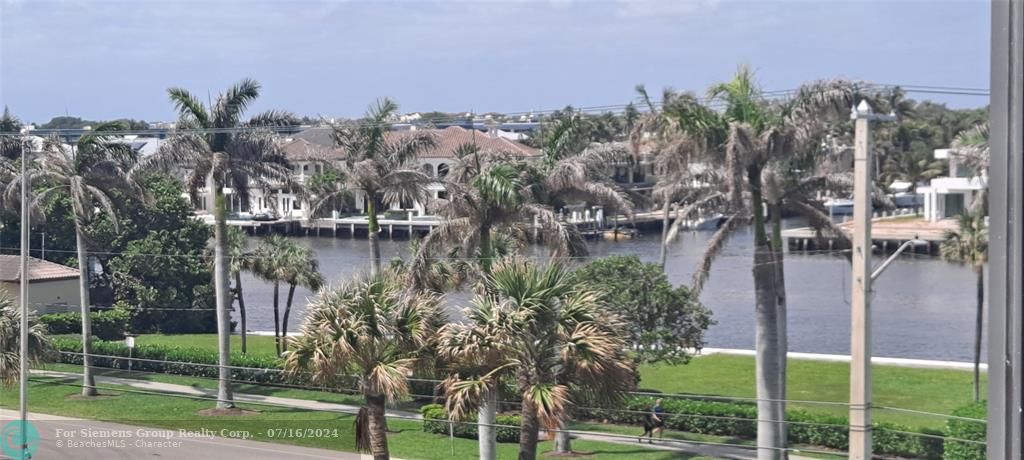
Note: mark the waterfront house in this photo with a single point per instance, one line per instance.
(948, 197)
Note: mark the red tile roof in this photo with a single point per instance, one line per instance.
(448, 140)
(39, 270)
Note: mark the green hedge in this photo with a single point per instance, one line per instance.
(434, 418)
(182, 360)
(968, 430)
(106, 325)
(739, 419)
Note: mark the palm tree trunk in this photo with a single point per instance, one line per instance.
(487, 433)
(372, 229)
(778, 270)
(378, 427)
(528, 432)
(485, 248)
(563, 440)
(220, 281)
(284, 322)
(277, 319)
(241, 307)
(978, 320)
(88, 381)
(664, 234)
(767, 366)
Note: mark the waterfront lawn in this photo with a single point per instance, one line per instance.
(930, 390)
(406, 439)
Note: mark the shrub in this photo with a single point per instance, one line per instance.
(106, 325)
(435, 421)
(967, 430)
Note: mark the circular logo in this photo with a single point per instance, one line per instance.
(12, 437)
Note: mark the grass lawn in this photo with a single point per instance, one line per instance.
(51, 396)
(929, 390)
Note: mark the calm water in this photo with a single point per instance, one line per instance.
(923, 307)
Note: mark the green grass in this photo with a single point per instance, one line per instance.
(407, 440)
(929, 390)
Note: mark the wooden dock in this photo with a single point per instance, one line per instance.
(887, 234)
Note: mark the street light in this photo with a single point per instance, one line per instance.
(881, 268)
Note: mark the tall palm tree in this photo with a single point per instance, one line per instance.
(761, 136)
(534, 324)
(218, 148)
(489, 193)
(912, 166)
(86, 173)
(380, 165)
(10, 340)
(241, 261)
(970, 147)
(280, 260)
(968, 245)
(372, 327)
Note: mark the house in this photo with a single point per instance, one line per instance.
(53, 288)
(948, 197)
(311, 151)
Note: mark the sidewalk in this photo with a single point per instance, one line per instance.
(710, 450)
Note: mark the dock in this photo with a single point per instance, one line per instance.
(887, 234)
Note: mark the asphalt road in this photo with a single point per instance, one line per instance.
(64, 438)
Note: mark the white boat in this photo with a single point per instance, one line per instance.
(708, 222)
(839, 206)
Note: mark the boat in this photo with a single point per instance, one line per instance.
(839, 206)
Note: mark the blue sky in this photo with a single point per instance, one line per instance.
(103, 59)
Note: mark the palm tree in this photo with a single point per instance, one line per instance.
(375, 328)
(491, 193)
(968, 245)
(680, 131)
(911, 166)
(10, 341)
(551, 335)
(280, 260)
(761, 137)
(970, 147)
(218, 148)
(240, 261)
(11, 142)
(380, 165)
(86, 173)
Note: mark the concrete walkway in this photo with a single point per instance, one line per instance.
(710, 450)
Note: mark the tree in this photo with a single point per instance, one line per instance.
(216, 146)
(87, 173)
(374, 328)
(968, 245)
(281, 260)
(380, 165)
(664, 323)
(551, 335)
(10, 341)
(915, 167)
(970, 147)
(762, 137)
(11, 142)
(240, 261)
(679, 132)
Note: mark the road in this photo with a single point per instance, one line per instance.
(57, 434)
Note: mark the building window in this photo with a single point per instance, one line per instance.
(442, 170)
(428, 169)
(442, 195)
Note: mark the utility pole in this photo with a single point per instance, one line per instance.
(24, 280)
(860, 314)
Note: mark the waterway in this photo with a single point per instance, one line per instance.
(923, 307)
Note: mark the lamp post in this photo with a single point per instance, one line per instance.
(23, 285)
(860, 314)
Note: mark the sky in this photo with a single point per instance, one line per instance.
(105, 59)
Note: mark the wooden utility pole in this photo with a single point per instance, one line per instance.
(860, 314)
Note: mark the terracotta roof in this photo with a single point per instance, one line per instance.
(39, 270)
(310, 146)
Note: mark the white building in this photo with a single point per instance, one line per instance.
(948, 197)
